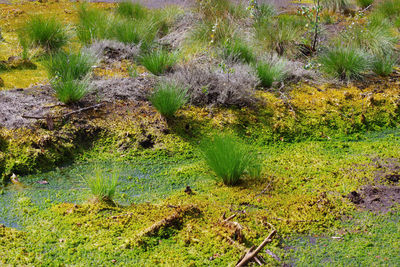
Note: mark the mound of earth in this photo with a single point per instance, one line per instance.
(22, 107)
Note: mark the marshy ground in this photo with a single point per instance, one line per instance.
(323, 135)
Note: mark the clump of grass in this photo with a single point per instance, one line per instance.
(384, 65)
(337, 5)
(211, 9)
(131, 10)
(280, 34)
(168, 97)
(270, 72)
(216, 32)
(48, 33)
(93, 24)
(389, 9)
(345, 63)
(265, 12)
(103, 186)
(70, 66)
(364, 3)
(376, 37)
(127, 32)
(237, 50)
(228, 158)
(70, 91)
(159, 61)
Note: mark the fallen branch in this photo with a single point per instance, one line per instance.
(252, 253)
(64, 115)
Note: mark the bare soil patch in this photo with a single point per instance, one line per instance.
(382, 196)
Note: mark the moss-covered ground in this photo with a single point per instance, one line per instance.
(317, 143)
(301, 192)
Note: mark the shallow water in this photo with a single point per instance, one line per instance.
(138, 182)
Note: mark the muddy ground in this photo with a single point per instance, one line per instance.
(383, 193)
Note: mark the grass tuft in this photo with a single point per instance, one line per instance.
(345, 63)
(102, 185)
(384, 65)
(228, 158)
(237, 50)
(70, 66)
(270, 72)
(93, 24)
(168, 98)
(131, 10)
(159, 61)
(49, 33)
(70, 91)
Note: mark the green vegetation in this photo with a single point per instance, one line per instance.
(237, 50)
(384, 65)
(168, 97)
(131, 10)
(228, 158)
(337, 5)
(291, 157)
(93, 24)
(270, 72)
(70, 66)
(364, 3)
(48, 33)
(376, 37)
(345, 63)
(103, 185)
(280, 34)
(70, 91)
(390, 9)
(159, 61)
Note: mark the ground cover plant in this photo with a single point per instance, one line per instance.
(188, 134)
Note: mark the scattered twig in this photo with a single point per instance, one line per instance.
(252, 253)
(66, 114)
(229, 218)
(273, 255)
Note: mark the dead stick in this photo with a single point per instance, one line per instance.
(230, 218)
(64, 115)
(252, 253)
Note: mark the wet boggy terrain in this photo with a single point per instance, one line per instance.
(327, 191)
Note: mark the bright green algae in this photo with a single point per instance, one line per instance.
(306, 182)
